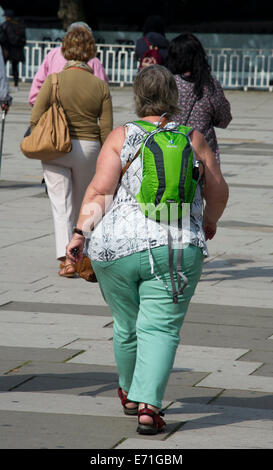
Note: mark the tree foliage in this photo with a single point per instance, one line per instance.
(71, 11)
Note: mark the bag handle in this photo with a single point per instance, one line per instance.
(55, 98)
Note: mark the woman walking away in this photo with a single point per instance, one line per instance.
(201, 98)
(125, 244)
(54, 62)
(87, 103)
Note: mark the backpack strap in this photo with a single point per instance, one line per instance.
(176, 291)
(180, 275)
(179, 289)
(147, 42)
(161, 124)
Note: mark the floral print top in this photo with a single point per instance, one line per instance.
(212, 110)
(124, 229)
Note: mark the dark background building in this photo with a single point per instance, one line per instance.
(225, 16)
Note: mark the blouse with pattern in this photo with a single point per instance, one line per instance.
(125, 230)
(212, 110)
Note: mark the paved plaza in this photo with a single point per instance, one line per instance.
(58, 384)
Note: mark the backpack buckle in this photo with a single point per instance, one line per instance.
(182, 276)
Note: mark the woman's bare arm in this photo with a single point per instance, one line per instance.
(215, 187)
(101, 189)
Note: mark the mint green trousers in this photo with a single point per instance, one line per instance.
(146, 321)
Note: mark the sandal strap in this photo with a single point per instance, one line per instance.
(157, 420)
(123, 398)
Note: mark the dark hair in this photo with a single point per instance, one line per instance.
(154, 24)
(186, 54)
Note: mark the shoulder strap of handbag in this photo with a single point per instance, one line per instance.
(189, 113)
(55, 98)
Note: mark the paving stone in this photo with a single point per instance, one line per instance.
(69, 370)
(133, 443)
(266, 370)
(244, 399)
(78, 385)
(22, 355)
(189, 394)
(219, 437)
(49, 330)
(57, 431)
(226, 336)
(8, 365)
(230, 380)
(183, 378)
(56, 308)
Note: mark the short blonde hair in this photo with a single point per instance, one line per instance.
(79, 44)
(155, 92)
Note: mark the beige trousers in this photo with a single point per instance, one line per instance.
(66, 179)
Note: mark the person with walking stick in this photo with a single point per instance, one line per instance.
(5, 100)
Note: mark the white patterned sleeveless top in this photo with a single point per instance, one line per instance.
(125, 230)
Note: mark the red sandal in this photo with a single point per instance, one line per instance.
(124, 400)
(158, 423)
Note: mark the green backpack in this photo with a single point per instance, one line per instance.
(169, 180)
(168, 171)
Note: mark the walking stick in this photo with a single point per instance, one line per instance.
(2, 136)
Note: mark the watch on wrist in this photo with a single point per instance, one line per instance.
(79, 231)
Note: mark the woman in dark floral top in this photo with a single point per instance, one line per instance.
(202, 102)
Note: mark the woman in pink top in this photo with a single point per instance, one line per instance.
(54, 62)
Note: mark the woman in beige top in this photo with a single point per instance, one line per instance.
(87, 103)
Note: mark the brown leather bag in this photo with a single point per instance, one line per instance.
(85, 270)
(50, 138)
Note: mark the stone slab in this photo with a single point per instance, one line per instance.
(226, 336)
(69, 370)
(20, 430)
(195, 414)
(49, 330)
(135, 443)
(6, 365)
(188, 394)
(52, 307)
(12, 382)
(230, 380)
(244, 399)
(80, 385)
(242, 313)
(22, 355)
(96, 352)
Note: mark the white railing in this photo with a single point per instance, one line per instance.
(234, 68)
(242, 68)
